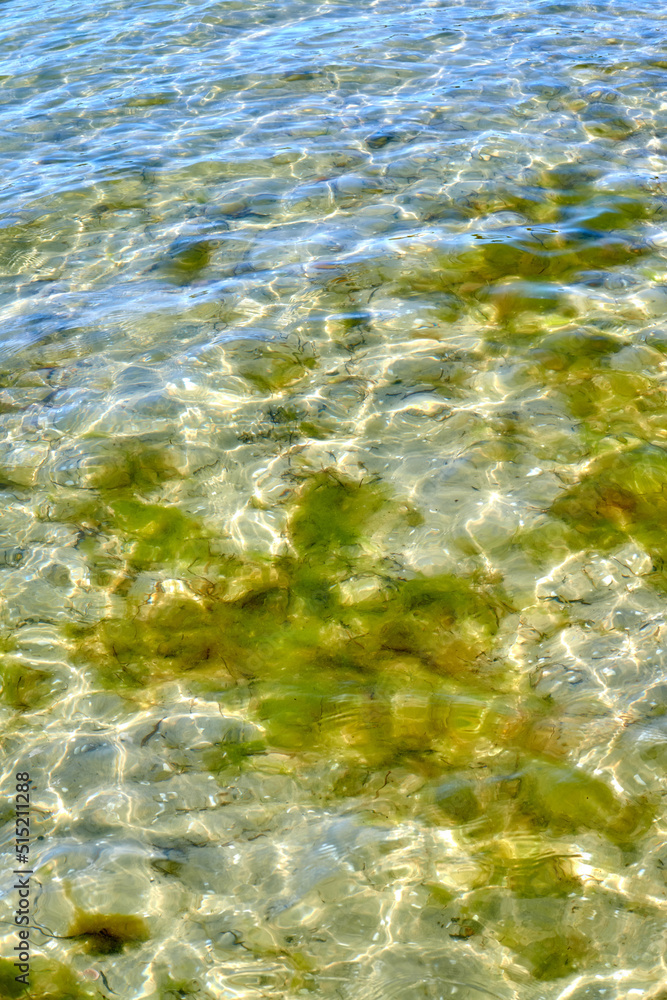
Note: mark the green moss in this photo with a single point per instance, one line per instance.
(108, 934)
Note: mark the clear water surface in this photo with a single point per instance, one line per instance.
(334, 497)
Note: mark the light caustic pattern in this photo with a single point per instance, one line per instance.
(333, 474)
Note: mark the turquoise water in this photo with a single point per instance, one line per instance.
(334, 474)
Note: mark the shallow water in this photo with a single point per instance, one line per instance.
(333, 472)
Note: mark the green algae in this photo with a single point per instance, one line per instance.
(167, 867)
(137, 466)
(564, 800)
(393, 673)
(122, 532)
(531, 877)
(271, 367)
(605, 402)
(231, 754)
(24, 688)
(445, 374)
(123, 536)
(569, 350)
(187, 259)
(292, 629)
(333, 512)
(249, 615)
(161, 535)
(513, 299)
(49, 980)
(528, 789)
(567, 192)
(107, 934)
(516, 273)
(622, 495)
(551, 956)
(179, 989)
(457, 801)
(9, 988)
(536, 928)
(513, 277)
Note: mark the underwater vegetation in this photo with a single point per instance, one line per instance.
(567, 192)
(187, 259)
(621, 495)
(343, 655)
(516, 272)
(179, 989)
(340, 652)
(49, 980)
(270, 367)
(100, 934)
(578, 366)
(294, 615)
(107, 934)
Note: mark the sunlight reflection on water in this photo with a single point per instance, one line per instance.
(333, 473)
